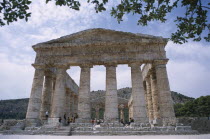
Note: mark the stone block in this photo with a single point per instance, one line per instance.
(183, 128)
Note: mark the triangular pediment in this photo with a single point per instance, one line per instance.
(100, 35)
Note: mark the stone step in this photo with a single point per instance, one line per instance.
(113, 133)
(61, 133)
(126, 133)
(111, 129)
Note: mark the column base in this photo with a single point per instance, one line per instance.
(53, 121)
(114, 124)
(111, 120)
(169, 121)
(141, 119)
(136, 124)
(165, 122)
(33, 122)
(82, 120)
(157, 122)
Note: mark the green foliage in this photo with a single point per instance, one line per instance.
(13, 109)
(199, 107)
(189, 26)
(12, 10)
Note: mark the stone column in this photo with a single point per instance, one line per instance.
(53, 91)
(122, 114)
(166, 102)
(149, 100)
(68, 104)
(111, 100)
(131, 111)
(97, 112)
(46, 95)
(84, 111)
(34, 105)
(155, 97)
(59, 97)
(75, 104)
(145, 97)
(72, 104)
(139, 104)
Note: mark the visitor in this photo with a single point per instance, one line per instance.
(98, 122)
(68, 121)
(132, 120)
(76, 115)
(64, 117)
(59, 119)
(72, 119)
(46, 115)
(92, 121)
(122, 122)
(95, 121)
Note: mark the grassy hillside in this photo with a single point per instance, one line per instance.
(13, 109)
(16, 108)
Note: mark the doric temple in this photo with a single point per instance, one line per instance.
(54, 91)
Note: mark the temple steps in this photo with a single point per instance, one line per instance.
(77, 131)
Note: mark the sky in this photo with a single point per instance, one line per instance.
(188, 67)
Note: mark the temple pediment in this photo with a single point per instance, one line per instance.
(101, 36)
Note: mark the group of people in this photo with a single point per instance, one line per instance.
(67, 120)
(96, 121)
(93, 121)
(131, 120)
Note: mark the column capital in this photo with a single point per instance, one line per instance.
(110, 64)
(160, 62)
(135, 64)
(86, 65)
(39, 66)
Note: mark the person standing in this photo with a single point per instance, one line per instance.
(64, 117)
(46, 115)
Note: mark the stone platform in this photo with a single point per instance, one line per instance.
(105, 129)
(111, 129)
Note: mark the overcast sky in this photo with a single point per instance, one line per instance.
(188, 68)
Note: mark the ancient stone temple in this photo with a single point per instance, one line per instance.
(54, 91)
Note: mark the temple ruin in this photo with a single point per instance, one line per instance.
(53, 89)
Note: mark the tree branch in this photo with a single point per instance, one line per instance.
(205, 7)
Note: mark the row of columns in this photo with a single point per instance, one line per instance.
(158, 96)
(50, 95)
(111, 99)
(157, 88)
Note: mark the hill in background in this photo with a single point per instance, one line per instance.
(16, 108)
